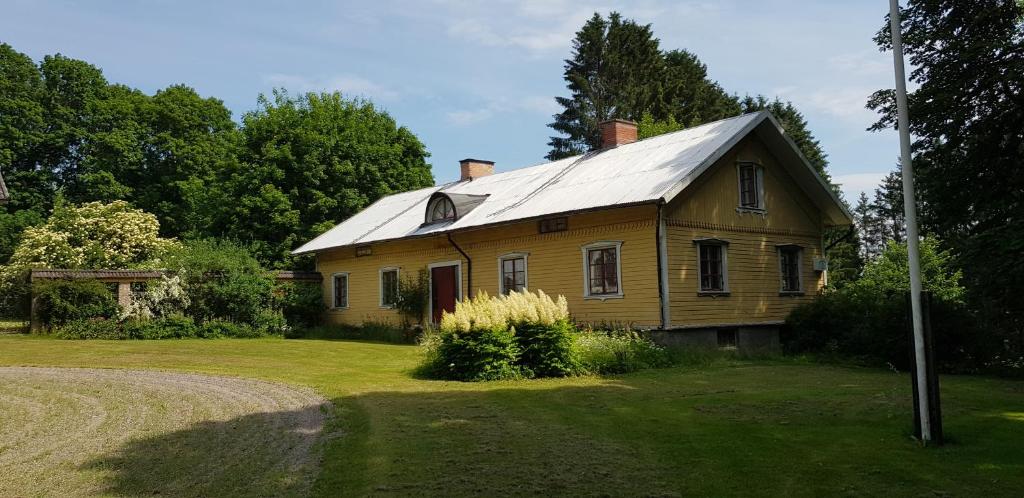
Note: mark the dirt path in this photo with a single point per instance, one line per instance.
(68, 431)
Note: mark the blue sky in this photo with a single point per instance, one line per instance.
(476, 79)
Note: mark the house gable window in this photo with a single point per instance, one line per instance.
(512, 268)
(388, 287)
(339, 291)
(789, 269)
(440, 209)
(602, 270)
(712, 267)
(751, 186)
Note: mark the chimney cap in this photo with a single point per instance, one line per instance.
(618, 120)
(469, 160)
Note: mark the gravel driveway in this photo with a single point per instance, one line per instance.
(69, 431)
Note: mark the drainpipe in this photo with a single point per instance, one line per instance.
(662, 249)
(469, 265)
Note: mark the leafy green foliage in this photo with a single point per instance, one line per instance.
(301, 303)
(62, 301)
(314, 160)
(967, 120)
(867, 320)
(890, 273)
(414, 296)
(477, 355)
(223, 281)
(618, 351)
(296, 166)
(647, 127)
(547, 350)
(91, 328)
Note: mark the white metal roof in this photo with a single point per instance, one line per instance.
(651, 170)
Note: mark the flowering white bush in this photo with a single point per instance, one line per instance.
(94, 235)
(162, 298)
(501, 312)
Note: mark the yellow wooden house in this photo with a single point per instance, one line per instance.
(707, 235)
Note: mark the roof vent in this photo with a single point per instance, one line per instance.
(475, 168)
(616, 132)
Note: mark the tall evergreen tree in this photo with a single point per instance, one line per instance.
(614, 72)
(691, 98)
(868, 228)
(887, 209)
(967, 119)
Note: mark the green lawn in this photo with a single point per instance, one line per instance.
(735, 428)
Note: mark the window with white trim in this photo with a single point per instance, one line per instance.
(339, 290)
(388, 287)
(513, 273)
(789, 268)
(751, 186)
(603, 269)
(711, 266)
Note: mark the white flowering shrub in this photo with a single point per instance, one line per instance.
(94, 235)
(506, 311)
(163, 297)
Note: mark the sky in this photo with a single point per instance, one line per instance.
(477, 79)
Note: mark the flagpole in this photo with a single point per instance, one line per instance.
(910, 210)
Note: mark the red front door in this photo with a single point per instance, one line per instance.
(443, 288)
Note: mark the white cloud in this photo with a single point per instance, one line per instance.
(855, 183)
(347, 84)
(468, 117)
(532, 104)
(862, 63)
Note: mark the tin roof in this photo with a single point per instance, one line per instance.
(648, 171)
(58, 273)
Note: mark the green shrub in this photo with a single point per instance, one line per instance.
(62, 301)
(481, 354)
(95, 328)
(871, 328)
(301, 303)
(176, 326)
(224, 281)
(618, 351)
(548, 350)
(413, 297)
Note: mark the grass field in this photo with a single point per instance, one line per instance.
(764, 428)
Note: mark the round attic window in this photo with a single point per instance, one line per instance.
(440, 210)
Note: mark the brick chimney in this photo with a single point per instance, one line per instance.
(616, 132)
(475, 168)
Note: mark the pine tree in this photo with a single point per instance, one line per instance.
(615, 72)
(888, 209)
(868, 228)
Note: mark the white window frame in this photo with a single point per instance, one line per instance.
(758, 186)
(724, 244)
(334, 292)
(525, 256)
(430, 284)
(433, 204)
(380, 284)
(799, 269)
(602, 244)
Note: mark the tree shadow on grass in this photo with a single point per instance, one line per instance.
(263, 454)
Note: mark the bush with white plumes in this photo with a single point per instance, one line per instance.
(486, 312)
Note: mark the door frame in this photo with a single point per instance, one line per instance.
(430, 282)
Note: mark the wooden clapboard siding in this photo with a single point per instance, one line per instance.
(554, 265)
(708, 209)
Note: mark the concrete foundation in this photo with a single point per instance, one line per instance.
(746, 339)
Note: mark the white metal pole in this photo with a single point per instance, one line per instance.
(910, 211)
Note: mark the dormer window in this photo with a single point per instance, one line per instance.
(441, 209)
(450, 206)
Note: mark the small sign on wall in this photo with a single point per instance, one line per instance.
(364, 251)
